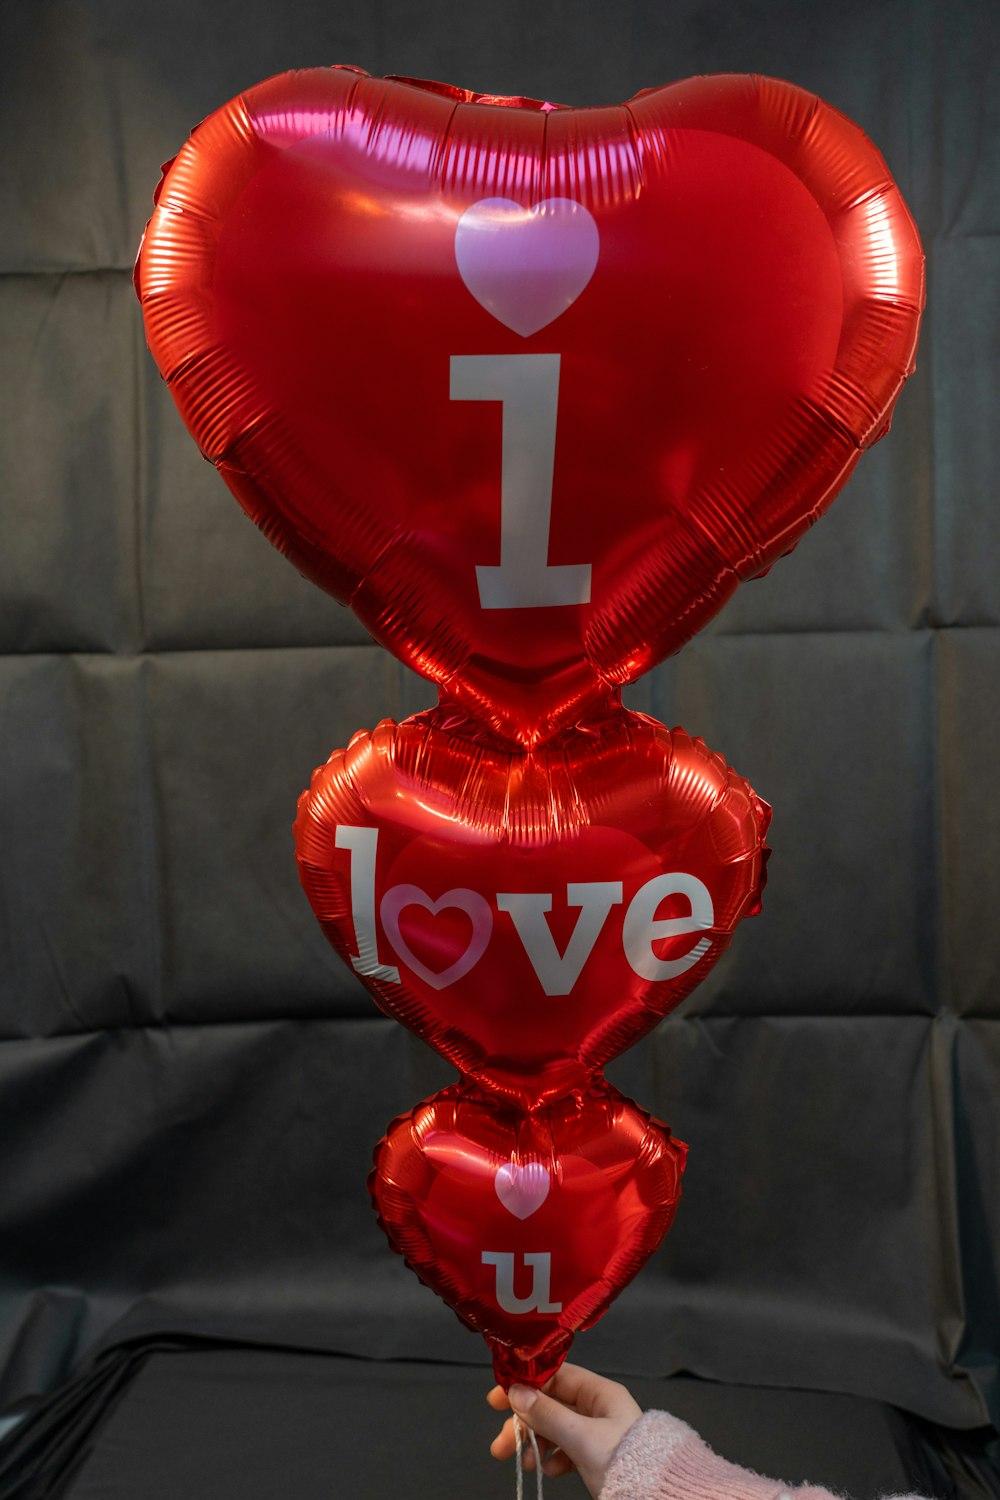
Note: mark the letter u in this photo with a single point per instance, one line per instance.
(539, 1298)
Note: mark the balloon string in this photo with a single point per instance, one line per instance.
(519, 1430)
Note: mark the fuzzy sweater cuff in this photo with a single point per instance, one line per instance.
(662, 1458)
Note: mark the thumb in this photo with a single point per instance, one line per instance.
(547, 1417)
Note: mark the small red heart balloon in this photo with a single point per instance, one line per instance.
(530, 914)
(531, 388)
(527, 1226)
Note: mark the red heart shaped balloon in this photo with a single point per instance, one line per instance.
(532, 388)
(528, 1227)
(530, 914)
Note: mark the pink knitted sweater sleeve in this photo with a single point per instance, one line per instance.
(662, 1458)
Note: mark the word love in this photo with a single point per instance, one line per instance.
(556, 972)
(530, 916)
(585, 1191)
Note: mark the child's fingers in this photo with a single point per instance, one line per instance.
(550, 1418)
(557, 1464)
(547, 1452)
(504, 1444)
(567, 1383)
(586, 1392)
(497, 1398)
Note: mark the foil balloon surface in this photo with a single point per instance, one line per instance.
(527, 1225)
(530, 914)
(531, 388)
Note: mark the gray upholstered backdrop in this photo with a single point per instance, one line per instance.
(190, 1083)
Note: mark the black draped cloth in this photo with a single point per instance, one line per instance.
(191, 1084)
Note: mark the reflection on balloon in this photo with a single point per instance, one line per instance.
(459, 362)
(530, 915)
(532, 389)
(527, 1225)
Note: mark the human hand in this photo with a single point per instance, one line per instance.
(578, 1417)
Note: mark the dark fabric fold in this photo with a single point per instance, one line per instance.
(191, 1085)
(160, 1416)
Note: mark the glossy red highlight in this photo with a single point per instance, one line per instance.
(527, 1226)
(530, 915)
(532, 388)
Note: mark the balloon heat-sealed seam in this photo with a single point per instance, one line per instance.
(532, 389)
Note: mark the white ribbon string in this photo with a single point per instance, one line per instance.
(520, 1428)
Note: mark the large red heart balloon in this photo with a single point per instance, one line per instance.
(530, 914)
(531, 388)
(528, 1227)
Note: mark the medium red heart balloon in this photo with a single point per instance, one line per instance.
(528, 1227)
(531, 388)
(530, 914)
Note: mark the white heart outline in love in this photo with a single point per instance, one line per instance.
(522, 1187)
(476, 908)
(526, 266)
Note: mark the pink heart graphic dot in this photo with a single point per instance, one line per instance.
(522, 1189)
(526, 266)
(476, 909)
